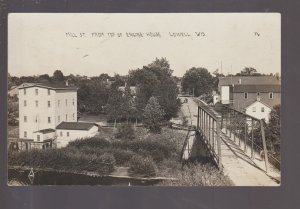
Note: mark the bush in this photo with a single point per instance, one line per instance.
(67, 159)
(141, 166)
(198, 175)
(125, 131)
(122, 156)
(95, 142)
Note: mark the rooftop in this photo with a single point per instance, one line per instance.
(45, 131)
(249, 80)
(257, 88)
(75, 126)
(54, 86)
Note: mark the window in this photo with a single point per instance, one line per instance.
(246, 95)
(253, 109)
(48, 91)
(73, 102)
(271, 95)
(25, 134)
(262, 109)
(58, 118)
(58, 103)
(36, 92)
(61, 134)
(66, 117)
(49, 104)
(36, 103)
(66, 102)
(24, 91)
(25, 119)
(25, 103)
(49, 119)
(68, 134)
(38, 138)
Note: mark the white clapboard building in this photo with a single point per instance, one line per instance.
(42, 108)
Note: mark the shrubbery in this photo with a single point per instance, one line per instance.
(63, 159)
(142, 166)
(125, 131)
(198, 175)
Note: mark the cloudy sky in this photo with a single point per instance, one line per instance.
(42, 43)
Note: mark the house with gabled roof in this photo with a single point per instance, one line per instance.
(70, 131)
(244, 92)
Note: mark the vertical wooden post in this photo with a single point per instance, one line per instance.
(209, 131)
(218, 123)
(245, 136)
(213, 134)
(264, 144)
(198, 118)
(252, 139)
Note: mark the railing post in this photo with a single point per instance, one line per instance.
(264, 144)
(213, 134)
(218, 123)
(209, 131)
(245, 137)
(252, 139)
(198, 118)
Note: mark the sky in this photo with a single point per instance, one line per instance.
(42, 43)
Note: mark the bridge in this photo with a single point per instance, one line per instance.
(234, 141)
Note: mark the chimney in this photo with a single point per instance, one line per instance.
(258, 98)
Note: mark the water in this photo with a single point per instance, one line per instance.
(42, 177)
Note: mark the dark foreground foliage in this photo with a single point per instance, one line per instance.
(66, 159)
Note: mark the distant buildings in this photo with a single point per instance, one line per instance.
(42, 109)
(254, 95)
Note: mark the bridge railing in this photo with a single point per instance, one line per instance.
(249, 133)
(209, 127)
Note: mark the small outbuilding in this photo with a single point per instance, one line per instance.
(70, 131)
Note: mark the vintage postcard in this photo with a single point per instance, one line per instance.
(138, 99)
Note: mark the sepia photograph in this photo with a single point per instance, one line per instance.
(144, 99)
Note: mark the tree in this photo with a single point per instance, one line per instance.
(113, 107)
(273, 129)
(198, 81)
(104, 76)
(248, 71)
(156, 80)
(153, 115)
(58, 76)
(127, 107)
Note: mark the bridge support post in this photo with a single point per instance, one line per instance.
(198, 115)
(218, 124)
(264, 144)
(245, 137)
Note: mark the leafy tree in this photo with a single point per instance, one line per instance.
(104, 76)
(127, 106)
(113, 107)
(197, 80)
(156, 80)
(92, 95)
(58, 76)
(249, 71)
(45, 78)
(153, 115)
(273, 129)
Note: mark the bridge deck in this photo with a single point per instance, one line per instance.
(241, 169)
